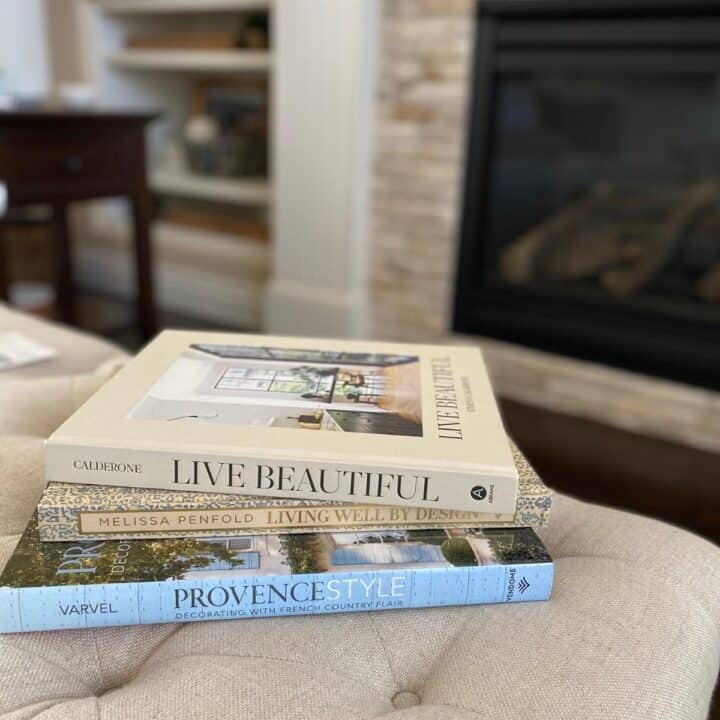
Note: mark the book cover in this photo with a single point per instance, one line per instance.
(69, 511)
(361, 422)
(48, 586)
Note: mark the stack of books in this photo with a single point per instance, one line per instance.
(232, 476)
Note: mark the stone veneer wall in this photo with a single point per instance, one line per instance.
(420, 138)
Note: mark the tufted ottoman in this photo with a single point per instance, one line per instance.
(632, 630)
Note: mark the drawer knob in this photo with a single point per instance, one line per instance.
(73, 163)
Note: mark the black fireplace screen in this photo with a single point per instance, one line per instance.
(609, 189)
(592, 204)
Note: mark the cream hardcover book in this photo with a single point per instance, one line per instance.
(310, 419)
(70, 511)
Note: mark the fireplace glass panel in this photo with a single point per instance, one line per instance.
(606, 186)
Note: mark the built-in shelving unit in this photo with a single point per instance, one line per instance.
(193, 60)
(156, 7)
(220, 245)
(166, 80)
(227, 190)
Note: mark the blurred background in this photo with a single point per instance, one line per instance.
(537, 178)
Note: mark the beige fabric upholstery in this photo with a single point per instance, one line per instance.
(632, 631)
(77, 352)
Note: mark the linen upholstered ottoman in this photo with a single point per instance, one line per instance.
(632, 630)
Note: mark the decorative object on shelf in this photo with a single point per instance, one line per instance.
(193, 40)
(256, 33)
(228, 134)
(201, 143)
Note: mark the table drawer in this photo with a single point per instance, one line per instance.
(61, 161)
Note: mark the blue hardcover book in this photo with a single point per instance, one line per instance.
(49, 586)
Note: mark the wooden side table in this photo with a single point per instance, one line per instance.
(57, 157)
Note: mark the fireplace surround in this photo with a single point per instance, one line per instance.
(591, 212)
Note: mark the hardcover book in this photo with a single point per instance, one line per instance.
(48, 586)
(321, 420)
(70, 511)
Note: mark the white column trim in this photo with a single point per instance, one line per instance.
(324, 100)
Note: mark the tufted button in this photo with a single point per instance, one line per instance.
(405, 699)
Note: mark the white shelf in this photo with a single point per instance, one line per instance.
(228, 190)
(150, 7)
(193, 60)
(252, 255)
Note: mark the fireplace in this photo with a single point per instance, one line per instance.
(591, 212)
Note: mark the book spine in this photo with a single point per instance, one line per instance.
(74, 523)
(291, 478)
(83, 606)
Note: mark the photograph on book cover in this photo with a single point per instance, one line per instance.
(37, 564)
(289, 388)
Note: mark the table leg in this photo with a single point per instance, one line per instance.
(4, 267)
(147, 316)
(64, 266)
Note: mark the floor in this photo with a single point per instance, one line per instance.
(618, 468)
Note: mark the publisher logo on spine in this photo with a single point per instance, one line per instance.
(478, 493)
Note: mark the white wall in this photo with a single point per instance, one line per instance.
(23, 46)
